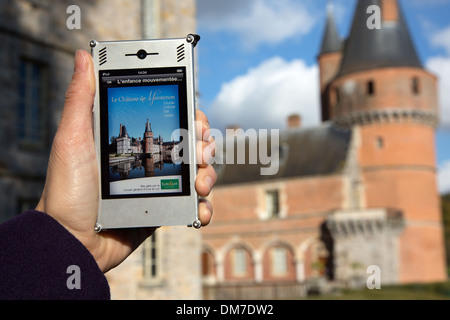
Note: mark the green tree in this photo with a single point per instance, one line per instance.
(446, 219)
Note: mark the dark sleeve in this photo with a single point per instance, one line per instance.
(41, 260)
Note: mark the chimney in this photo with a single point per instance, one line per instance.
(233, 127)
(294, 121)
(390, 10)
(231, 130)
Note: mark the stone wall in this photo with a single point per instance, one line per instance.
(36, 30)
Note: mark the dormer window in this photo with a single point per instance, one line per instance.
(273, 203)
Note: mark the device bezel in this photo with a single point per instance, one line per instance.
(147, 211)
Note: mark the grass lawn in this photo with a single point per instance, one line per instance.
(433, 291)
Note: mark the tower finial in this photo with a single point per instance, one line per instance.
(330, 7)
(331, 41)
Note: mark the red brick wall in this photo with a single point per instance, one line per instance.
(393, 89)
(402, 144)
(328, 67)
(402, 174)
(422, 253)
(306, 203)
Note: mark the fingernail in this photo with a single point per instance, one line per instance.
(208, 181)
(207, 133)
(80, 61)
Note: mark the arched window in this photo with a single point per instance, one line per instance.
(239, 264)
(208, 264)
(279, 263)
(239, 259)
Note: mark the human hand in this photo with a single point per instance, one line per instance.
(71, 192)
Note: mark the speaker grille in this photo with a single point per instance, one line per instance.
(103, 56)
(180, 53)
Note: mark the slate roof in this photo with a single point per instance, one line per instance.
(320, 150)
(390, 46)
(331, 41)
(148, 126)
(123, 132)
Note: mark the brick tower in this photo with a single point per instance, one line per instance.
(329, 60)
(376, 85)
(148, 138)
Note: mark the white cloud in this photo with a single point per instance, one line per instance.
(257, 21)
(267, 95)
(441, 67)
(444, 178)
(442, 39)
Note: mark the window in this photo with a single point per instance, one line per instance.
(207, 264)
(371, 88)
(273, 204)
(151, 258)
(415, 85)
(338, 95)
(279, 261)
(379, 142)
(32, 108)
(239, 259)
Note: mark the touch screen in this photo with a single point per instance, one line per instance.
(142, 112)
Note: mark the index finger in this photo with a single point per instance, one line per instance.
(202, 126)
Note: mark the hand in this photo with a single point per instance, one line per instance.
(71, 190)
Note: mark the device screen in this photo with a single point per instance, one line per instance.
(143, 113)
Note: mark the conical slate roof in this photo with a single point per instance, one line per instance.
(331, 41)
(123, 132)
(390, 46)
(148, 126)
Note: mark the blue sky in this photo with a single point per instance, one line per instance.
(257, 54)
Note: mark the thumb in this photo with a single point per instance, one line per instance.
(77, 113)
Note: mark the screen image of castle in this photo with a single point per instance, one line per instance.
(145, 162)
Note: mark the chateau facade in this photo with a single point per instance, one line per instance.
(355, 194)
(357, 191)
(147, 145)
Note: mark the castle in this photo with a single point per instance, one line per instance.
(357, 192)
(147, 145)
